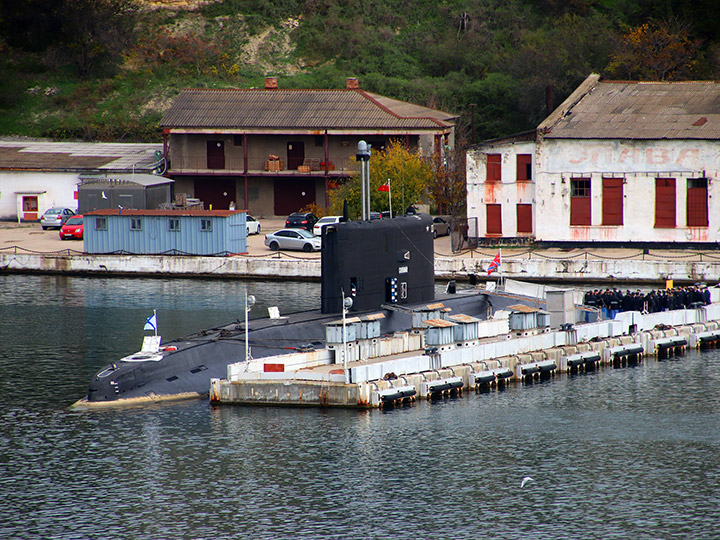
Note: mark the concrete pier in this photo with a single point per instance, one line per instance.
(505, 357)
(25, 248)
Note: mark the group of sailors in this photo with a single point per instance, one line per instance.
(612, 301)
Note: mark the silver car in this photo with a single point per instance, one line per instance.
(297, 239)
(56, 217)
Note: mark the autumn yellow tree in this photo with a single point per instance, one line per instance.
(408, 173)
(655, 51)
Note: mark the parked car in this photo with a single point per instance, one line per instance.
(253, 225)
(376, 215)
(297, 239)
(441, 226)
(301, 220)
(327, 220)
(73, 228)
(55, 217)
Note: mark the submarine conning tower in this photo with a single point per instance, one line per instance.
(377, 262)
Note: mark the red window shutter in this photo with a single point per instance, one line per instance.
(664, 203)
(612, 201)
(524, 218)
(494, 219)
(580, 202)
(494, 168)
(697, 206)
(524, 167)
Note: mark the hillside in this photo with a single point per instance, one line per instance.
(107, 69)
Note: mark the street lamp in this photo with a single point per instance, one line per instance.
(363, 156)
(347, 304)
(249, 303)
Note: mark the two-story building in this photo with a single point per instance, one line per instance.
(618, 163)
(274, 151)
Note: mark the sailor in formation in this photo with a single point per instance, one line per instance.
(612, 301)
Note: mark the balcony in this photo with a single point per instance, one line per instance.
(228, 166)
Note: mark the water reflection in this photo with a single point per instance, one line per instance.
(616, 454)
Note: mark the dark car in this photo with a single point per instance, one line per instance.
(301, 220)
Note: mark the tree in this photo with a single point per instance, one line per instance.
(94, 33)
(448, 190)
(655, 51)
(409, 175)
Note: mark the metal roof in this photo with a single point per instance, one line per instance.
(462, 318)
(299, 109)
(523, 308)
(637, 110)
(77, 156)
(439, 323)
(169, 213)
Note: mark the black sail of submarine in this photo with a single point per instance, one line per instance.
(385, 265)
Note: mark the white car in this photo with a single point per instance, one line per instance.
(253, 225)
(327, 220)
(298, 239)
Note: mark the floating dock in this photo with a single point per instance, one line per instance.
(446, 354)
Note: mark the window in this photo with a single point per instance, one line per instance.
(206, 225)
(524, 218)
(697, 202)
(664, 203)
(319, 141)
(580, 208)
(237, 140)
(30, 204)
(612, 201)
(174, 224)
(494, 219)
(524, 167)
(101, 224)
(136, 224)
(493, 172)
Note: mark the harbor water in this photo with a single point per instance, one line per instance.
(613, 454)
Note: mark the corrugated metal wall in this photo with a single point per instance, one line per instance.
(228, 235)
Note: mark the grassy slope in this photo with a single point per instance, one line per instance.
(495, 71)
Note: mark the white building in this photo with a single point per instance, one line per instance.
(37, 175)
(616, 163)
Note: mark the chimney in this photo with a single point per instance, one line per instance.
(271, 83)
(351, 83)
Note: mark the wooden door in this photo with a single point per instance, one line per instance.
(292, 194)
(665, 203)
(295, 154)
(215, 154)
(612, 201)
(218, 192)
(30, 208)
(494, 219)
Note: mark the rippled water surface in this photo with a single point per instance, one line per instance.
(628, 453)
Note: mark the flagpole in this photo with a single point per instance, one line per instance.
(390, 197)
(155, 325)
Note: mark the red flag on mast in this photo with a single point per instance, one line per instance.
(495, 264)
(385, 187)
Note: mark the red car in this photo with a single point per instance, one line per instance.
(73, 228)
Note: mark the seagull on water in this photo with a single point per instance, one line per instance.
(526, 480)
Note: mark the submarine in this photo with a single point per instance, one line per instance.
(385, 266)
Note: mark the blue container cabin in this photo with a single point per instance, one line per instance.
(166, 232)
